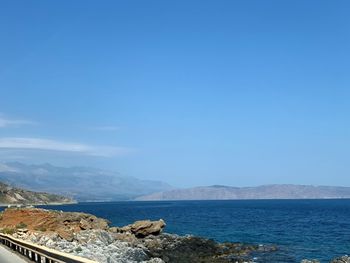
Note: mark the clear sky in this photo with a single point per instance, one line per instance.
(191, 92)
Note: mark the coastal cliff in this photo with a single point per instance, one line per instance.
(14, 196)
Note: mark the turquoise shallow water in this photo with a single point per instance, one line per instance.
(300, 228)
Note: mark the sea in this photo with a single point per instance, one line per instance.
(301, 229)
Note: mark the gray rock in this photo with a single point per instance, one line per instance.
(343, 259)
(97, 245)
(113, 247)
(154, 260)
(142, 228)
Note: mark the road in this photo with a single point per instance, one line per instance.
(9, 257)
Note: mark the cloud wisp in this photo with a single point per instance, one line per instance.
(53, 145)
(6, 122)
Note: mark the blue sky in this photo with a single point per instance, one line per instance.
(189, 92)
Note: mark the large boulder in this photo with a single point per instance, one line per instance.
(142, 228)
(146, 227)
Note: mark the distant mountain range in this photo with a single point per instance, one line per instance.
(80, 183)
(218, 192)
(92, 184)
(11, 195)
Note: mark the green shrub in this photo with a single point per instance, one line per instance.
(78, 249)
(8, 231)
(21, 225)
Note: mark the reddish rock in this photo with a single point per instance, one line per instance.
(63, 223)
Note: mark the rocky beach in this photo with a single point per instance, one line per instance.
(88, 236)
(91, 237)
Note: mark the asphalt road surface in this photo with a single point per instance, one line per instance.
(9, 257)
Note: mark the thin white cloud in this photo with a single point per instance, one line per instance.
(6, 122)
(53, 145)
(106, 128)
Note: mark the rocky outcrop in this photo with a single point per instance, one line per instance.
(142, 228)
(188, 249)
(65, 224)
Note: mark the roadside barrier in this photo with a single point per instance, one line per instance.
(38, 253)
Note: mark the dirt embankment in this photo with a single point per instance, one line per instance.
(63, 223)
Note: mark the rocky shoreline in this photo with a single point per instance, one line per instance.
(91, 237)
(343, 259)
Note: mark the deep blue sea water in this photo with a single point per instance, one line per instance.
(300, 228)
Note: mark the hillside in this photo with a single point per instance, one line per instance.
(11, 195)
(260, 192)
(82, 183)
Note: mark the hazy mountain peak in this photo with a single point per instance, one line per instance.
(82, 183)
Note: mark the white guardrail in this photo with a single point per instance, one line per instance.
(38, 253)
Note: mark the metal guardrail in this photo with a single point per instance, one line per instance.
(38, 253)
